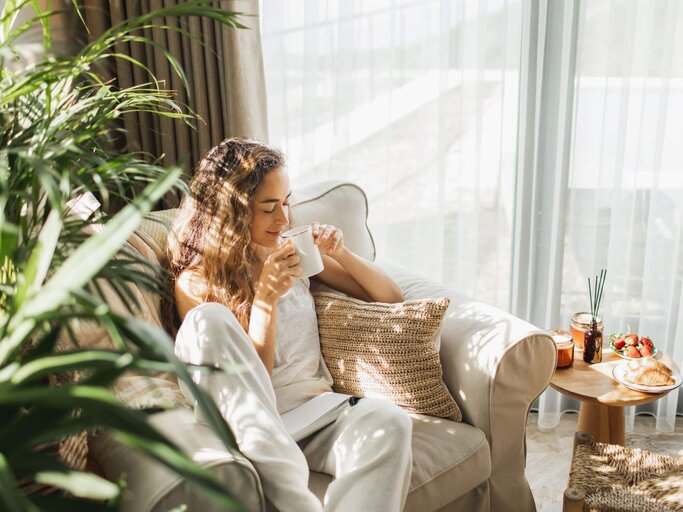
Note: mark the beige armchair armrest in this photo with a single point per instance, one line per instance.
(495, 366)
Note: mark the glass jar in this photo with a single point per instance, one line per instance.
(565, 347)
(592, 344)
(580, 323)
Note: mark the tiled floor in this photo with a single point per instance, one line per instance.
(549, 453)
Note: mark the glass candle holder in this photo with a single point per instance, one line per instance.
(580, 323)
(565, 347)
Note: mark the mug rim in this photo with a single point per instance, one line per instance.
(299, 230)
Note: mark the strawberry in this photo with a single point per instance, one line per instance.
(620, 343)
(647, 342)
(645, 351)
(632, 352)
(631, 339)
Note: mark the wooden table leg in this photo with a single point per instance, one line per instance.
(573, 500)
(605, 423)
(617, 425)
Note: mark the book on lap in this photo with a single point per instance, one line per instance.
(315, 414)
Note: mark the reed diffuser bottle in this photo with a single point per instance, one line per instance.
(592, 338)
(592, 343)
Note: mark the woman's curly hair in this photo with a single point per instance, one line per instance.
(211, 233)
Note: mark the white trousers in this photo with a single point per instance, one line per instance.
(366, 450)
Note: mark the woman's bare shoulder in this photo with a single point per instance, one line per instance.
(189, 291)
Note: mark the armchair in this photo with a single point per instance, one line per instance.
(494, 364)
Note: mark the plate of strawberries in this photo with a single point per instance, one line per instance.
(631, 346)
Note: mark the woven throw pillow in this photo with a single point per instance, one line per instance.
(379, 350)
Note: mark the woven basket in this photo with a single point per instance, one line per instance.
(615, 478)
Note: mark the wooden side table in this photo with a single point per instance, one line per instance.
(602, 398)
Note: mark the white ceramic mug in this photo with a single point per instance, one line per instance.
(302, 240)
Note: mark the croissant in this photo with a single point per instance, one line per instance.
(647, 363)
(648, 372)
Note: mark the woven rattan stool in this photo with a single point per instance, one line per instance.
(607, 477)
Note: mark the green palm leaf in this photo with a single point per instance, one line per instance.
(59, 126)
(79, 483)
(82, 266)
(11, 499)
(39, 263)
(51, 365)
(128, 426)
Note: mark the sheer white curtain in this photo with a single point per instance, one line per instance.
(626, 178)
(509, 148)
(609, 160)
(415, 101)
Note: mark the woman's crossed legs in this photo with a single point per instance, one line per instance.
(367, 449)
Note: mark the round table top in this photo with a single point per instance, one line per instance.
(594, 382)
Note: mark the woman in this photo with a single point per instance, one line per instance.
(244, 306)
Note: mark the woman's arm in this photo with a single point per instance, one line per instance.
(351, 274)
(262, 329)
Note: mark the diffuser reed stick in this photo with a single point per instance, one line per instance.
(595, 293)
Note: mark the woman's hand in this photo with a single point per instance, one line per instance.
(279, 272)
(330, 240)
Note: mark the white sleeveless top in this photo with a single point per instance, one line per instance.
(299, 373)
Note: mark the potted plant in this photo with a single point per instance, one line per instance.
(57, 120)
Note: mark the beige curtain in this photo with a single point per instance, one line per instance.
(224, 69)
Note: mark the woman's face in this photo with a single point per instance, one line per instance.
(270, 208)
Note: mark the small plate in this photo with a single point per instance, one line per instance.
(620, 354)
(620, 369)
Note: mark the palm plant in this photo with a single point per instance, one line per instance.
(57, 120)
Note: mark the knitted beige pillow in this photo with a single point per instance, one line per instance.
(379, 350)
